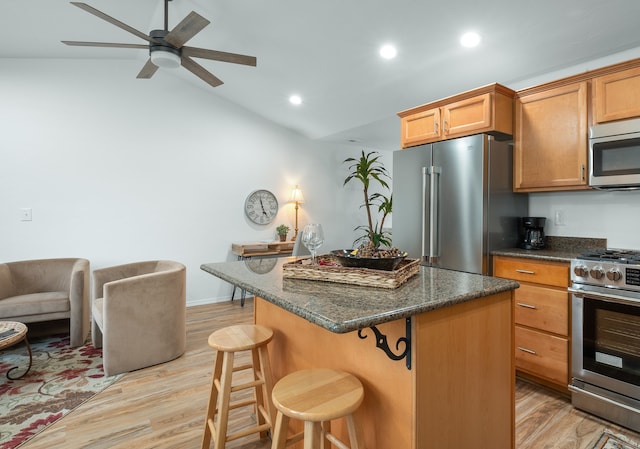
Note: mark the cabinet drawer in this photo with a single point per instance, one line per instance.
(526, 270)
(543, 308)
(542, 355)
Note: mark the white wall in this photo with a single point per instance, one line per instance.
(117, 169)
(596, 214)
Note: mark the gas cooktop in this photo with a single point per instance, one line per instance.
(612, 255)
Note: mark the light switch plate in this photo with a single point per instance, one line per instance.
(26, 214)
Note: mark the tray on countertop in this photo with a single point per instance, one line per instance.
(330, 270)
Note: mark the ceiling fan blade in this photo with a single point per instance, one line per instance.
(111, 20)
(219, 56)
(185, 30)
(104, 44)
(148, 70)
(200, 71)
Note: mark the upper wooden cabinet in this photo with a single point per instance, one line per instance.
(552, 124)
(551, 139)
(484, 110)
(616, 96)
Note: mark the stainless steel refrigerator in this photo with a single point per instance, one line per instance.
(453, 202)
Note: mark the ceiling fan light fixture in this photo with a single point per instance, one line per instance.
(165, 58)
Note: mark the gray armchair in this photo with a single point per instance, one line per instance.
(139, 314)
(47, 289)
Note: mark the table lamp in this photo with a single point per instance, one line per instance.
(297, 198)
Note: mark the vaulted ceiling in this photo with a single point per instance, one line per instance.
(327, 51)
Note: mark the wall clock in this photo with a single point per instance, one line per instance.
(261, 207)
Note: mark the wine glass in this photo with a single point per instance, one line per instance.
(313, 238)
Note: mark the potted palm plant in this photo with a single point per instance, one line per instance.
(374, 241)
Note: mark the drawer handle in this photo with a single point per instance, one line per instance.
(525, 272)
(526, 350)
(528, 306)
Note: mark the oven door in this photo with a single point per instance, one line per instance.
(605, 353)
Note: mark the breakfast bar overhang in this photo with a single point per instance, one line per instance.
(435, 355)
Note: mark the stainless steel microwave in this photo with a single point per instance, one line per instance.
(614, 155)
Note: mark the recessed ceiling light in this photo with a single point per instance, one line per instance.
(295, 99)
(388, 51)
(470, 39)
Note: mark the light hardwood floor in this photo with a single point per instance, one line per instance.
(163, 407)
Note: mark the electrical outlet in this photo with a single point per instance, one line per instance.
(26, 214)
(560, 217)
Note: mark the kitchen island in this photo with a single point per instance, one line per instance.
(435, 355)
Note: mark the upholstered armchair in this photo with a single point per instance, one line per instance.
(139, 314)
(47, 289)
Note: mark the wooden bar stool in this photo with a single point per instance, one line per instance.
(317, 396)
(227, 342)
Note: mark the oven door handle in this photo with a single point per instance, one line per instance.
(603, 296)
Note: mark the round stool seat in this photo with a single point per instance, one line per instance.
(318, 395)
(241, 337)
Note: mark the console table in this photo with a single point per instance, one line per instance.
(261, 250)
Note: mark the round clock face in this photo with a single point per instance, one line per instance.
(261, 206)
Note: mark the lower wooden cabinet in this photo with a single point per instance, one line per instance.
(542, 317)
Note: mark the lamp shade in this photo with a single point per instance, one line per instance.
(296, 196)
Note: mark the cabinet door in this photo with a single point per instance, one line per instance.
(421, 127)
(616, 96)
(466, 117)
(551, 139)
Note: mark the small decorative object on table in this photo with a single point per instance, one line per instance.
(313, 238)
(282, 231)
(374, 250)
(329, 269)
(377, 260)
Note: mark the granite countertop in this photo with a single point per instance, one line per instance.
(342, 308)
(558, 249)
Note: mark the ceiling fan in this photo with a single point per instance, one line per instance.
(166, 48)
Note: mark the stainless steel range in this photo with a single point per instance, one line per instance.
(606, 335)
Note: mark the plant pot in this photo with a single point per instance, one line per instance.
(283, 238)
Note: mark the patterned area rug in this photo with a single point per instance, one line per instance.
(611, 441)
(61, 378)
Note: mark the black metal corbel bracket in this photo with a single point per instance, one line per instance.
(381, 342)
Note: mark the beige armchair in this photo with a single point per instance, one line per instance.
(47, 289)
(139, 314)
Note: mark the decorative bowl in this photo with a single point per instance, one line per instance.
(347, 259)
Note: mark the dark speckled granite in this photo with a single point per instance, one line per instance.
(342, 308)
(559, 249)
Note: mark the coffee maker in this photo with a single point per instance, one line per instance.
(532, 231)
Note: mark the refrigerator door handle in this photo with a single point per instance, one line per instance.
(434, 193)
(424, 256)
